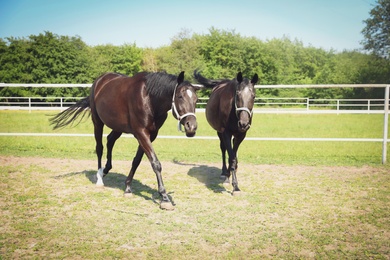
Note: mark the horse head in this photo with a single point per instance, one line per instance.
(244, 100)
(184, 104)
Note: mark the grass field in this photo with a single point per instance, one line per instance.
(255, 152)
(300, 200)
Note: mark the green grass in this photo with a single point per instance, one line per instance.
(264, 125)
(255, 152)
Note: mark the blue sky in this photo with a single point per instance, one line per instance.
(328, 24)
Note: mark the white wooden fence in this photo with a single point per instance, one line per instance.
(297, 105)
(262, 104)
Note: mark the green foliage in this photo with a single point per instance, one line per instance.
(377, 31)
(181, 55)
(45, 58)
(128, 60)
(50, 58)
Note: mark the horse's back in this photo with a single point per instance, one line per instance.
(107, 82)
(219, 106)
(115, 96)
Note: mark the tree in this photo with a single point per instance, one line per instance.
(377, 30)
(44, 58)
(223, 53)
(181, 55)
(127, 59)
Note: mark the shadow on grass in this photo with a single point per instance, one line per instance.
(209, 176)
(117, 181)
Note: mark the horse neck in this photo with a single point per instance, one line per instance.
(162, 104)
(230, 90)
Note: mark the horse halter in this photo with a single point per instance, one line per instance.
(179, 117)
(238, 109)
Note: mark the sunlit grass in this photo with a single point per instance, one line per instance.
(263, 152)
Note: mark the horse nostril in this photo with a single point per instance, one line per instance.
(190, 127)
(242, 124)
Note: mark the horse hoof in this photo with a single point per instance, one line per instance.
(99, 185)
(128, 194)
(226, 181)
(166, 206)
(236, 193)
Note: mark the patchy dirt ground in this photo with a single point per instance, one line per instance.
(50, 208)
(63, 165)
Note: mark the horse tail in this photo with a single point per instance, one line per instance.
(68, 116)
(208, 83)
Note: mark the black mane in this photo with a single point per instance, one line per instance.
(160, 84)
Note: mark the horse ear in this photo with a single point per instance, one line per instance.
(255, 79)
(239, 77)
(180, 78)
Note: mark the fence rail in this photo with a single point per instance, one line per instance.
(306, 104)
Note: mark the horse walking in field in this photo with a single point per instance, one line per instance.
(229, 112)
(136, 105)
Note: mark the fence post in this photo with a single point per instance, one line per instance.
(307, 104)
(385, 124)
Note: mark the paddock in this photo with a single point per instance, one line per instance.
(300, 199)
(51, 208)
(313, 186)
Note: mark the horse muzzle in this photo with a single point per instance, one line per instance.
(190, 126)
(243, 126)
(244, 119)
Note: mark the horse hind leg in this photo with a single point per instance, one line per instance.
(136, 161)
(98, 133)
(225, 173)
(111, 139)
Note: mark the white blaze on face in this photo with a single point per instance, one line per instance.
(189, 92)
(245, 91)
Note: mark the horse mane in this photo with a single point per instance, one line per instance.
(160, 84)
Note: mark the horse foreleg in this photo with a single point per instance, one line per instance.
(225, 138)
(111, 139)
(156, 165)
(234, 164)
(147, 147)
(136, 161)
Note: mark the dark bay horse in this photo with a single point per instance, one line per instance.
(136, 105)
(229, 112)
